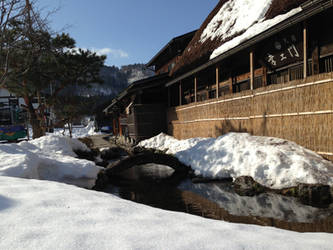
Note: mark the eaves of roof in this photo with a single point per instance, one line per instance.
(310, 8)
(151, 62)
(135, 86)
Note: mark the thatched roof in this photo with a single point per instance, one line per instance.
(226, 28)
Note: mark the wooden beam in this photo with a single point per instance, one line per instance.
(305, 50)
(217, 81)
(195, 89)
(180, 94)
(251, 70)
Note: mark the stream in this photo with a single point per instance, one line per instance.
(148, 184)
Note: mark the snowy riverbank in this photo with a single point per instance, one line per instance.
(38, 214)
(44, 214)
(273, 162)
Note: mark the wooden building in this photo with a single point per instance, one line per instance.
(275, 82)
(139, 112)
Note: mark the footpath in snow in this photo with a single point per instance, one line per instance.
(273, 162)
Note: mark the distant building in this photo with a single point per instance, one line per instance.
(139, 112)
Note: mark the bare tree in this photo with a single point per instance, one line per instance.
(11, 12)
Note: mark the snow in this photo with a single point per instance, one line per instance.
(234, 17)
(79, 132)
(47, 215)
(243, 17)
(273, 162)
(50, 157)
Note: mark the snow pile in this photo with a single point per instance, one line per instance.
(48, 158)
(273, 162)
(47, 215)
(243, 17)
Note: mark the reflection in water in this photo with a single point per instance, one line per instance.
(147, 172)
(265, 205)
(219, 201)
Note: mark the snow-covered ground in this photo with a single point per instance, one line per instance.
(38, 214)
(46, 214)
(50, 157)
(79, 131)
(273, 162)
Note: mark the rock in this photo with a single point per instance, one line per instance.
(246, 186)
(113, 153)
(101, 182)
(141, 150)
(103, 163)
(88, 141)
(87, 155)
(208, 180)
(291, 191)
(315, 194)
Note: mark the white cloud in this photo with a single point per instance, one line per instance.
(116, 53)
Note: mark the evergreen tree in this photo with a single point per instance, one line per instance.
(41, 59)
(11, 12)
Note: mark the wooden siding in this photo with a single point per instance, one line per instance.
(146, 120)
(300, 111)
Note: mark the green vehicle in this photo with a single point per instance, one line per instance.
(12, 120)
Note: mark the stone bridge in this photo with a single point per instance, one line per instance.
(146, 158)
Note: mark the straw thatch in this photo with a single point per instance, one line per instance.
(303, 114)
(198, 53)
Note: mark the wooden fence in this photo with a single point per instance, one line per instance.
(299, 111)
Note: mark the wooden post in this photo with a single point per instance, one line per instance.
(289, 75)
(195, 89)
(315, 59)
(180, 94)
(169, 97)
(305, 54)
(119, 126)
(230, 84)
(115, 132)
(251, 70)
(217, 81)
(264, 79)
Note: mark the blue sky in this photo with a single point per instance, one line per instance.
(128, 31)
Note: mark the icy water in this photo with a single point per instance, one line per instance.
(149, 185)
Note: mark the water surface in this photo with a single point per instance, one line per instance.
(151, 185)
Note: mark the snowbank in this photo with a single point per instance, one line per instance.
(48, 158)
(47, 215)
(273, 162)
(237, 16)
